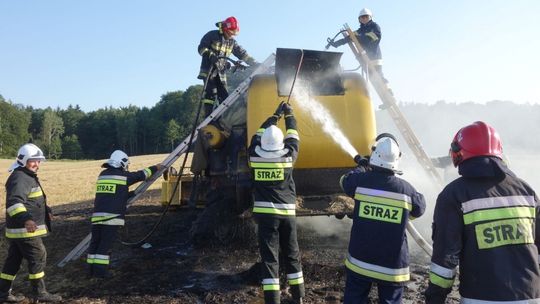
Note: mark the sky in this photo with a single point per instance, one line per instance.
(115, 53)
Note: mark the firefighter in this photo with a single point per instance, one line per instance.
(272, 159)
(378, 251)
(369, 36)
(28, 219)
(486, 221)
(214, 47)
(112, 194)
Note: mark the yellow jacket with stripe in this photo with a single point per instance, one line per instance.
(273, 183)
(486, 222)
(25, 200)
(112, 194)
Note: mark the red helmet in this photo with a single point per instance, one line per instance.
(477, 139)
(230, 26)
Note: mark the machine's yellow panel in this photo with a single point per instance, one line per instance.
(352, 112)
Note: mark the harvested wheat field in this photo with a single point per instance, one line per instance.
(172, 269)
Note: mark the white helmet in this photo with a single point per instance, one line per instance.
(386, 153)
(364, 12)
(27, 152)
(118, 159)
(271, 143)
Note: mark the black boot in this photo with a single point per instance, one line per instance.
(5, 293)
(8, 297)
(40, 293)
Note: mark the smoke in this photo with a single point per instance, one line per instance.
(323, 116)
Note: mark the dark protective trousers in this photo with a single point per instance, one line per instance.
(103, 237)
(277, 233)
(214, 89)
(30, 249)
(357, 291)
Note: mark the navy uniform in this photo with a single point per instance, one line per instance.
(26, 201)
(275, 205)
(378, 249)
(213, 45)
(486, 222)
(112, 194)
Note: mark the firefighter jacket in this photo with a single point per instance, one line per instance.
(487, 222)
(378, 249)
(369, 36)
(214, 43)
(274, 188)
(25, 200)
(112, 194)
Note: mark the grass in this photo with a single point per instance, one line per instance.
(68, 181)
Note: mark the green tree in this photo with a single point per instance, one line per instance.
(51, 132)
(172, 133)
(71, 148)
(14, 122)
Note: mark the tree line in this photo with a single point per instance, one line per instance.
(73, 134)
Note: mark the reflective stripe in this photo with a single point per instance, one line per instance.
(35, 192)
(442, 271)
(208, 101)
(36, 276)
(275, 205)
(101, 259)
(440, 281)
(295, 275)
(270, 284)
(147, 172)
(111, 181)
(116, 177)
(497, 214)
(373, 36)
(260, 131)
(473, 301)
(112, 222)
(104, 218)
(497, 202)
(376, 62)
(90, 258)
(383, 201)
(291, 133)
(270, 165)
(17, 233)
(16, 209)
(274, 211)
(376, 271)
(384, 194)
(6, 276)
(295, 278)
(271, 160)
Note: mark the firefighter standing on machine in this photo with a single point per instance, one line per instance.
(369, 36)
(384, 203)
(214, 47)
(486, 222)
(272, 158)
(112, 193)
(28, 219)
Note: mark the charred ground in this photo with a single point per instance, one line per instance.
(174, 270)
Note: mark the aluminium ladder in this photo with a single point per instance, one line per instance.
(78, 250)
(390, 104)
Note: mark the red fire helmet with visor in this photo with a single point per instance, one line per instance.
(476, 139)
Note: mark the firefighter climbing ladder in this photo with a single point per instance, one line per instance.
(78, 250)
(390, 104)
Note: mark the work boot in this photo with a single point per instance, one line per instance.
(8, 297)
(40, 293)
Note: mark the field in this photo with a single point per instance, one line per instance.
(172, 269)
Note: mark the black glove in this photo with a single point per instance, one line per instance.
(286, 108)
(361, 161)
(279, 109)
(227, 65)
